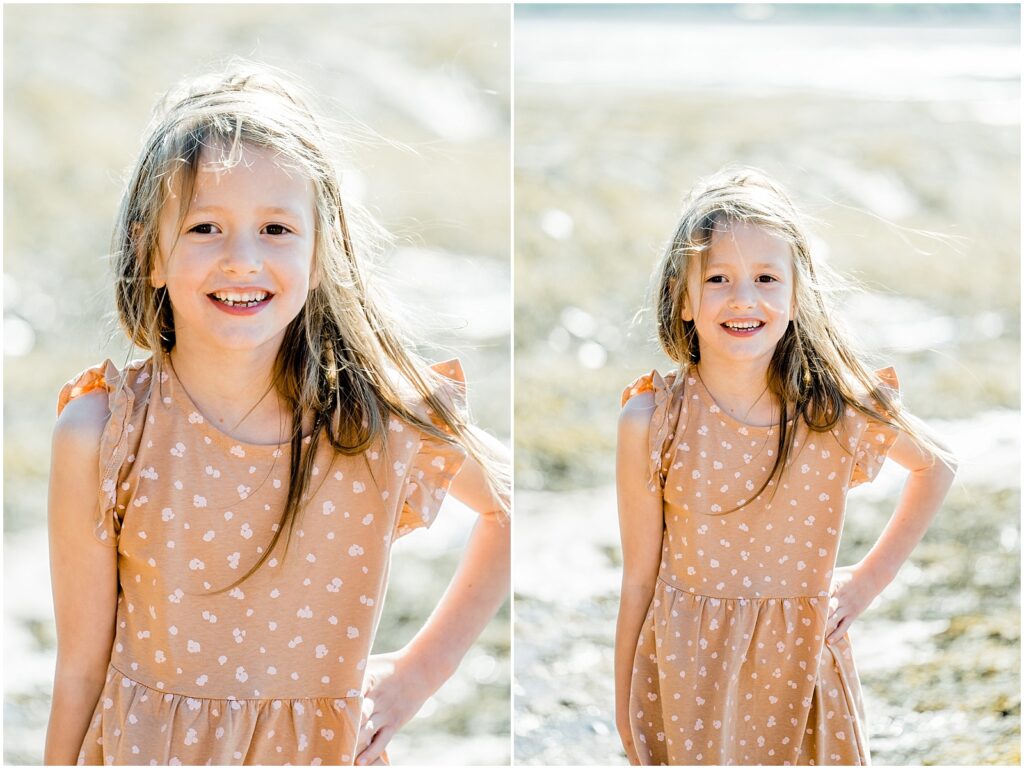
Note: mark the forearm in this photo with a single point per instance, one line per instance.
(921, 499)
(74, 700)
(480, 585)
(634, 602)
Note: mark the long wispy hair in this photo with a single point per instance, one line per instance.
(815, 372)
(339, 357)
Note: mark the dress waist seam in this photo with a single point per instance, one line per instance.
(752, 599)
(155, 690)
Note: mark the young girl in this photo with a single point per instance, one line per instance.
(731, 644)
(218, 603)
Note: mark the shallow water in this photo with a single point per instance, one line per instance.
(977, 66)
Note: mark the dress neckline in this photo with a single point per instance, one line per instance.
(709, 400)
(187, 407)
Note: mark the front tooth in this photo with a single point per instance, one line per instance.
(250, 296)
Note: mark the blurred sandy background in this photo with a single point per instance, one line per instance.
(425, 96)
(881, 120)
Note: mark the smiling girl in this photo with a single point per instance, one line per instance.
(732, 474)
(222, 513)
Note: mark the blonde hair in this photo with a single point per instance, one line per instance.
(815, 369)
(335, 359)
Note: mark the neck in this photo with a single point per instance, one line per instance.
(235, 391)
(741, 389)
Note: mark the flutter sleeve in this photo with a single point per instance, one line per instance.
(437, 461)
(877, 437)
(113, 441)
(661, 424)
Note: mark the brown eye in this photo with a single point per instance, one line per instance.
(276, 229)
(202, 229)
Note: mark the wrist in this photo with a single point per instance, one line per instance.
(877, 573)
(431, 669)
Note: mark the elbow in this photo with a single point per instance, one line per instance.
(949, 474)
(81, 674)
(947, 465)
(84, 661)
(638, 588)
(926, 455)
(941, 470)
(952, 464)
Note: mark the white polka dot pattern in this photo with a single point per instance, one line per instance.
(271, 670)
(731, 665)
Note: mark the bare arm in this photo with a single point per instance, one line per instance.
(407, 678)
(926, 488)
(481, 582)
(640, 525)
(83, 574)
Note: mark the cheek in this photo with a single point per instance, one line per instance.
(782, 301)
(691, 302)
(787, 305)
(167, 255)
(158, 268)
(314, 271)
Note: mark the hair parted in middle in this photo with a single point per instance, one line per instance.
(340, 356)
(815, 372)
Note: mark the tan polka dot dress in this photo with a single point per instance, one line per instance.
(271, 671)
(731, 665)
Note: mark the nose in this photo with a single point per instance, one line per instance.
(241, 256)
(743, 295)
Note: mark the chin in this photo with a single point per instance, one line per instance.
(244, 345)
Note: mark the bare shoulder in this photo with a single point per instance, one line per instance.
(633, 466)
(635, 417)
(75, 472)
(80, 425)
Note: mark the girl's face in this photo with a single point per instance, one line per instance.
(743, 302)
(239, 268)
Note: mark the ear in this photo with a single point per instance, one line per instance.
(156, 273)
(156, 276)
(314, 273)
(686, 312)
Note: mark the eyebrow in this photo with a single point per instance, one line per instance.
(214, 209)
(757, 265)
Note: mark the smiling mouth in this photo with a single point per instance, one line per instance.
(744, 325)
(248, 299)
